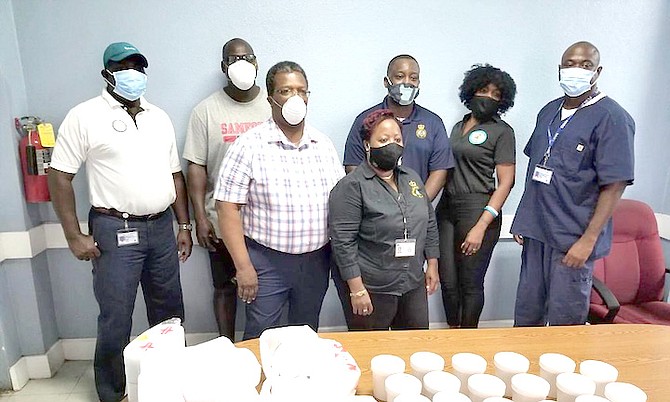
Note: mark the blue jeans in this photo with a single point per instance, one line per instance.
(154, 264)
(550, 292)
(301, 280)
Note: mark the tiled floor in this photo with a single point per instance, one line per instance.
(72, 383)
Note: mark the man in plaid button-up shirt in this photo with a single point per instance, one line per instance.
(272, 201)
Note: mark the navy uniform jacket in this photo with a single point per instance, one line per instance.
(423, 135)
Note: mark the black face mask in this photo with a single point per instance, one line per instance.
(386, 157)
(483, 108)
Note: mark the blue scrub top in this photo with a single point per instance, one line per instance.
(424, 137)
(594, 149)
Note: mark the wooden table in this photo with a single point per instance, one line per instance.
(640, 352)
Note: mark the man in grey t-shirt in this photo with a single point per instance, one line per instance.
(215, 124)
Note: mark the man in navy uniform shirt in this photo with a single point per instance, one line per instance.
(581, 160)
(427, 149)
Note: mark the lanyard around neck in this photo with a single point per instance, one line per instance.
(551, 139)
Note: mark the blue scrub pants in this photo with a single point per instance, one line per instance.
(549, 292)
(154, 264)
(301, 280)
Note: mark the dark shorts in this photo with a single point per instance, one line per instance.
(223, 268)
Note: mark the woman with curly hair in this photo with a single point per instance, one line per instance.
(382, 228)
(469, 213)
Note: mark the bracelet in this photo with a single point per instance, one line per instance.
(185, 226)
(491, 210)
(360, 293)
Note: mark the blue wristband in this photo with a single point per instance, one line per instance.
(491, 210)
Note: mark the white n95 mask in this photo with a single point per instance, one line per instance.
(294, 110)
(242, 74)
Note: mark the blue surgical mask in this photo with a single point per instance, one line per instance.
(575, 81)
(130, 84)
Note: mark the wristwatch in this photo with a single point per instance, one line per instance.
(185, 226)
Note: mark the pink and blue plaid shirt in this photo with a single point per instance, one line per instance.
(284, 188)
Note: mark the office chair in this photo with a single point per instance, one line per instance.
(628, 284)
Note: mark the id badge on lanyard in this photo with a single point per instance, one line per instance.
(404, 247)
(543, 173)
(127, 236)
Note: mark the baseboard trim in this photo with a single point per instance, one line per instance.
(84, 348)
(37, 366)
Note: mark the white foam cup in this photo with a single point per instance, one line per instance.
(383, 366)
(508, 364)
(600, 372)
(424, 362)
(401, 383)
(411, 398)
(445, 396)
(482, 386)
(591, 398)
(623, 391)
(553, 364)
(571, 385)
(497, 399)
(440, 381)
(529, 388)
(465, 365)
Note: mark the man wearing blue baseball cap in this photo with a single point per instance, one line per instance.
(134, 176)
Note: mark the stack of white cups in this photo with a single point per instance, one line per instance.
(497, 399)
(401, 383)
(529, 388)
(482, 386)
(600, 372)
(424, 362)
(450, 397)
(383, 366)
(624, 392)
(553, 364)
(440, 381)
(508, 364)
(465, 365)
(572, 385)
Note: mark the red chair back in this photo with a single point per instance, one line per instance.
(635, 268)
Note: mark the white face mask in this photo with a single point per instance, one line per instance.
(575, 81)
(294, 110)
(242, 74)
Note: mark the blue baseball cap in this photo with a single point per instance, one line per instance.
(120, 50)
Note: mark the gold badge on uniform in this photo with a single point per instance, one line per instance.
(415, 189)
(421, 131)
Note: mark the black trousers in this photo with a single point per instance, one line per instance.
(409, 311)
(462, 276)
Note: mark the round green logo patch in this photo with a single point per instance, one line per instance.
(478, 137)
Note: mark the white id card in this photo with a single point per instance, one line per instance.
(405, 247)
(542, 174)
(127, 237)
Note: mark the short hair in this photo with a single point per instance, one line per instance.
(373, 119)
(231, 42)
(398, 57)
(481, 75)
(282, 67)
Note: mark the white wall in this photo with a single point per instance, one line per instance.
(344, 47)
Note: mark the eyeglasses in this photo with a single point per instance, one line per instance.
(286, 92)
(251, 58)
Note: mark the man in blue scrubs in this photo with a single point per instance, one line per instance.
(581, 160)
(427, 149)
